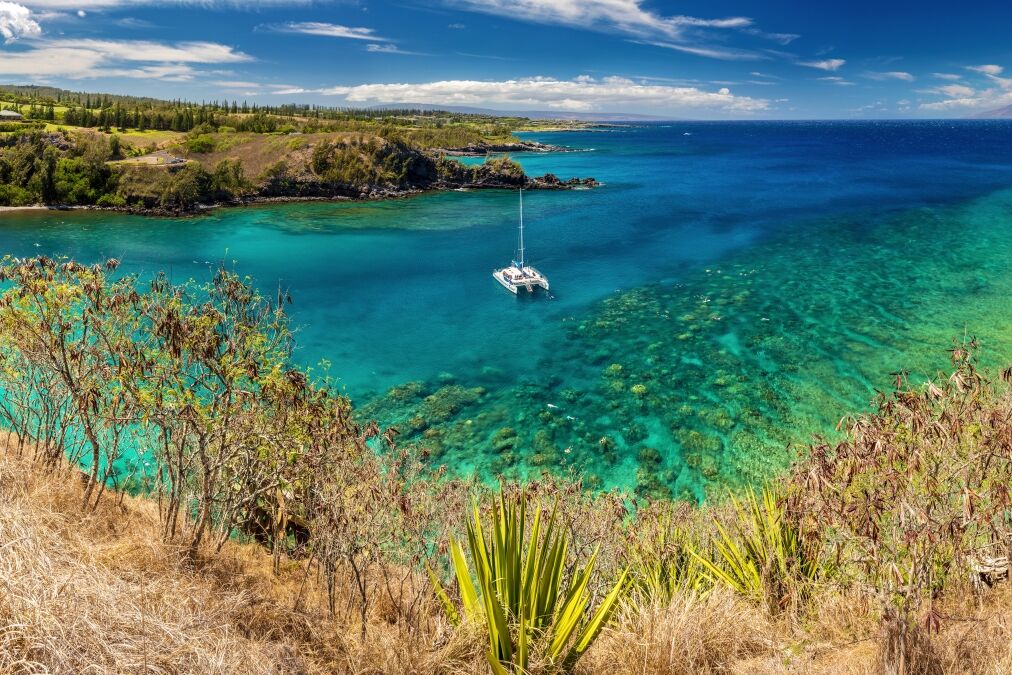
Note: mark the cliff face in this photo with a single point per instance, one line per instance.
(211, 169)
(258, 168)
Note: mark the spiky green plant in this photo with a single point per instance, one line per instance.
(664, 564)
(522, 594)
(765, 555)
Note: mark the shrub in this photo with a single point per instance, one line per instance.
(200, 144)
(12, 195)
(111, 200)
(520, 595)
(764, 553)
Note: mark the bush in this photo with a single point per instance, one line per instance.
(12, 195)
(200, 144)
(111, 200)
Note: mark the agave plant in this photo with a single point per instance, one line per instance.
(766, 556)
(522, 594)
(664, 564)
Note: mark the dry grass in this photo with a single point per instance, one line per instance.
(258, 152)
(691, 634)
(101, 593)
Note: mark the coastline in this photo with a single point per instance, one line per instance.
(34, 207)
(366, 194)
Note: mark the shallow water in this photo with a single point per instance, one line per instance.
(723, 294)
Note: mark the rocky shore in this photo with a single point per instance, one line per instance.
(318, 192)
(482, 149)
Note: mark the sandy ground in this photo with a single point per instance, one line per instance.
(37, 207)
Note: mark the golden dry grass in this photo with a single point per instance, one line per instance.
(101, 593)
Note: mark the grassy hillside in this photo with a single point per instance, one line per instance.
(275, 531)
(169, 172)
(93, 149)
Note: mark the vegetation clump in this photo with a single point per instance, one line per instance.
(308, 533)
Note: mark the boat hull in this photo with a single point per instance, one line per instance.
(529, 283)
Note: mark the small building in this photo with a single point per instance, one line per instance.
(10, 116)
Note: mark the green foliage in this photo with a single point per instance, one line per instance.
(200, 144)
(520, 594)
(12, 195)
(766, 554)
(228, 178)
(112, 200)
(664, 564)
(187, 186)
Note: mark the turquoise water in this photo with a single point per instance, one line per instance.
(723, 294)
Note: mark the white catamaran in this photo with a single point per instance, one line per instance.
(520, 275)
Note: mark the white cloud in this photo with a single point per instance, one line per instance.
(890, 75)
(92, 5)
(834, 79)
(724, 54)
(142, 50)
(947, 76)
(326, 30)
(997, 93)
(824, 64)
(986, 69)
(235, 84)
(581, 94)
(388, 49)
(781, 38)
(956, 91)
(16, 22)
(456, 26)
(623, 16)
(631, 19)
(80, 59)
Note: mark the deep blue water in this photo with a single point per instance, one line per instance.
(401, 290)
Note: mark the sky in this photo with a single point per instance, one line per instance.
(712, 59)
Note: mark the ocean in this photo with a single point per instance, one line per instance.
(729, 291)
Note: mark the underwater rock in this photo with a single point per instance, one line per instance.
(504, 439)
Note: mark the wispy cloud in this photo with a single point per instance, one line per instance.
(996, 92)
(956, 91)
(947, 76)
(834, 79)
(235, 84)
(781, 38)
(990, 69)
(90, 5)
(721, 53)
(457, 26)
(580, 94)
(84, 58)
(889, 75)
(16, 22)
(325, 29)
(390, 49)
(132, 23)
(824, 64)
(632, 20)
(622, 16)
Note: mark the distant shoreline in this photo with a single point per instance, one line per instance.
(535, 183)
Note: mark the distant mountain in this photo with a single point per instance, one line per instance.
(530, 114)
(997, 114)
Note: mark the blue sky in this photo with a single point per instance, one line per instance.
(715, 59)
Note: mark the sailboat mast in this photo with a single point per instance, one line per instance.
(521, 228)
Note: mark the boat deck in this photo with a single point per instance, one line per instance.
(514, 278)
